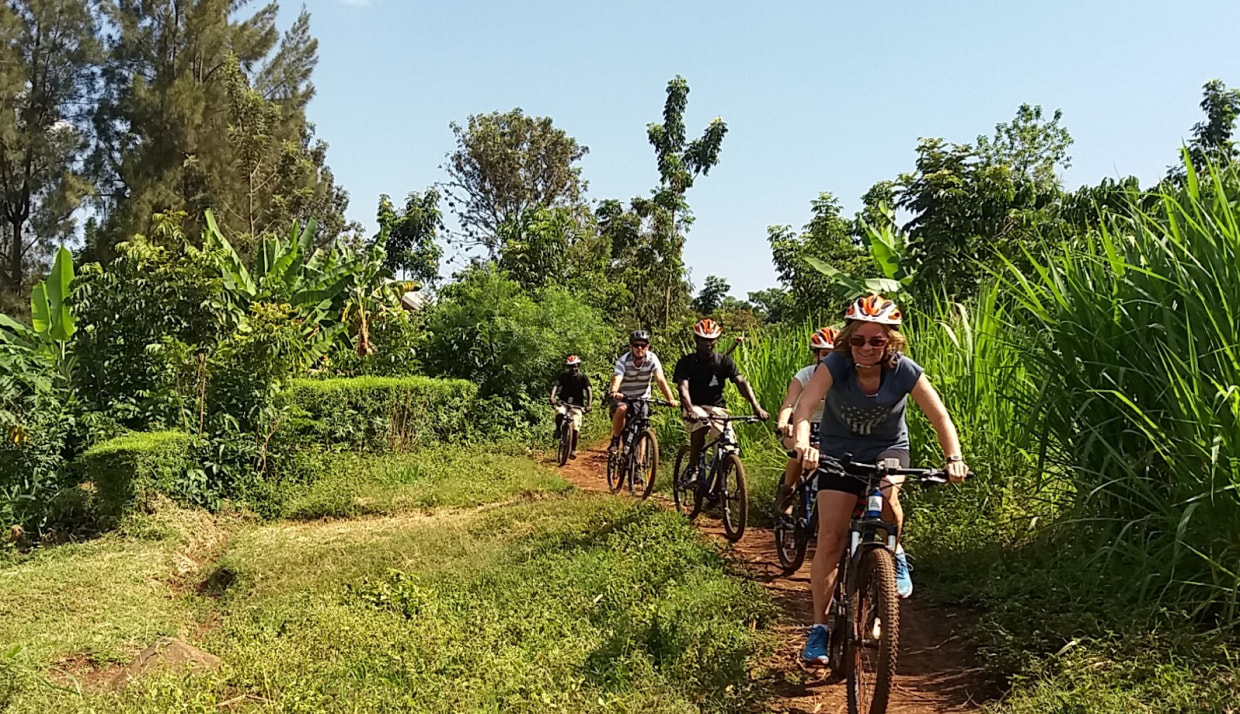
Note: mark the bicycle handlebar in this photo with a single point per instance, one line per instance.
(650, 400)
(747, 418)
(864, 471)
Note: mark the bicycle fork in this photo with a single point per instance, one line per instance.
(872, 516)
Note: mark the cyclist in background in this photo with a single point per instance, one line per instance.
(866, 381)
(572, 387)
(631, 379)
(820, 343)
(701, 377)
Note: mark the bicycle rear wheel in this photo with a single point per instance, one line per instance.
(870, 654)
(644, 463)
(791, 536)
(733, 497)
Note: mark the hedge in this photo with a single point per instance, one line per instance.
(378, 413)
(127, 469)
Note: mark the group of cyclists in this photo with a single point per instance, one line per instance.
(848, 404)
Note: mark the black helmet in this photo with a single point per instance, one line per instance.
(639, 336)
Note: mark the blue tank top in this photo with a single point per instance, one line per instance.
(865, 425)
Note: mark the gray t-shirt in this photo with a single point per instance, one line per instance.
(861, 424)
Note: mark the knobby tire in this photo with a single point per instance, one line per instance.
(870, 660)
(645, 462)
(791, 539)
(680, 494)
(733, 497)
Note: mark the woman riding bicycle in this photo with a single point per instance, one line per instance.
(866, 381)
(820, 343)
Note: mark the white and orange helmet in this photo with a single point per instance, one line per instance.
(707, 328)
(874, 308)
(823, 338)
(572, 360)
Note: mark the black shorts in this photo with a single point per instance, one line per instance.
(615, 404)
(850, 484)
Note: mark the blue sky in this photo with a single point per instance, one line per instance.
(818, 96)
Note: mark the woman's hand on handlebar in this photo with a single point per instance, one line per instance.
(957, 471)
(618, 396)
(808, 456)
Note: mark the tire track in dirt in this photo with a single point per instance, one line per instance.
(937, 669)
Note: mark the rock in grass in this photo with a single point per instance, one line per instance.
(165, 653)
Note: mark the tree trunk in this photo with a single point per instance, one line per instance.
(15, 256)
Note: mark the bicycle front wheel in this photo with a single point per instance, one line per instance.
(791, 536)
(683, 486)
(644, 464)
(733, 497)
(615, 479)
(870, 656)
(566, 444)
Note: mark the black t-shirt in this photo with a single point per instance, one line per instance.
(706, 377)
(572, 388)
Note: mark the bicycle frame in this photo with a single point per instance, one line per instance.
(725, 443)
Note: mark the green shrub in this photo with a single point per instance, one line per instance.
(489, 329)
(378, 413)
(128, 469)
(35, 429)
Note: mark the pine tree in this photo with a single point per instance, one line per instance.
(48, 64)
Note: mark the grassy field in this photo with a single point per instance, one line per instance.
(455, 583)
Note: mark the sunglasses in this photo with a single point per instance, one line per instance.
(859, 341)
(638, 345)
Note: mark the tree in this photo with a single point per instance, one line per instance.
(1034, 148)
(204, 107)
(974, 207)
(1212, 138)
(829, 239)
(509, 340)
(411, 248)
(48, 67)
(772, 304)
(505, 164)
(714, 291)
(277, 174)
(680, 164)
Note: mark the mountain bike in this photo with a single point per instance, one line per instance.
(865, 613)
(568, 431)
(637, 459)
(717, 479)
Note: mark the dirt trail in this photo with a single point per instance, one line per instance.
(937, 669)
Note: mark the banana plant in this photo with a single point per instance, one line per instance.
(52, 319)
(321, 285)
(888, 249)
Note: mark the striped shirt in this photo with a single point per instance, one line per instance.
(634, 380)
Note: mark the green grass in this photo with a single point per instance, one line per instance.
(560, 601)
(460, 476)
(102, 600)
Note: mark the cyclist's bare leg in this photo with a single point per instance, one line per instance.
(617, 420)
(792, 472)
(893, 510)
(834, 512)
(697, 439)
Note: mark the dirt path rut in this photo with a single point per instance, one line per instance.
(937, 669)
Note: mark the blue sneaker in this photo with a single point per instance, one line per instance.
(815, 651)
(904, 581)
